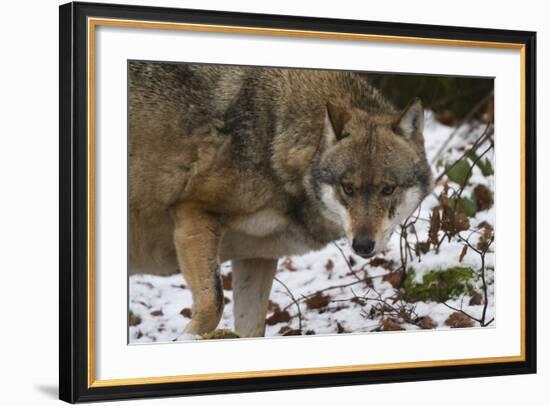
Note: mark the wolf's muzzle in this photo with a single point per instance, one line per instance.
(363, 247)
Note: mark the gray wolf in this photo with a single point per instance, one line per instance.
(250, 164)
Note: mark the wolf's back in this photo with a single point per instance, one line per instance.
(196, 92)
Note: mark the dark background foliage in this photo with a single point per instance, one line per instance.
(452, 99)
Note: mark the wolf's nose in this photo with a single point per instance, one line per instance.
(363, 246)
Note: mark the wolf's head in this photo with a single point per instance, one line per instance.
(372, 173)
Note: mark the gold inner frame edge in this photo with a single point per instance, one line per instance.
(93, 22)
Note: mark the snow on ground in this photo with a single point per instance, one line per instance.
(160, 307)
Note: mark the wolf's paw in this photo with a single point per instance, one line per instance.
(220, 334)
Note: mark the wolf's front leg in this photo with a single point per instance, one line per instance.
(197, 237)
(252, 280)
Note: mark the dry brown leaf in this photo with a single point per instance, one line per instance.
(390, 325)
(426, 323)
(484, 197)
(330, 265)
(227, 281)
(382, 262)
(476, 299)
(459, 320)
(435, 225)
(134, 320)
(278, 317)
(463, 253)
(318, 301)
(394, 278)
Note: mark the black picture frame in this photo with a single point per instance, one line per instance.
(73, 290)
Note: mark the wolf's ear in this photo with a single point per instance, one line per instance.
(410, 123)
(336, 117)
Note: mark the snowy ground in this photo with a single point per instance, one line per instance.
(160, 306)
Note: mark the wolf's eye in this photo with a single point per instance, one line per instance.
(388, 190)
(348, 189)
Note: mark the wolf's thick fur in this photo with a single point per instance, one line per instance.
(251, 164)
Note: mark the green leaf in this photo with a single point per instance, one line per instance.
(460, 172)
(484, 166)
(470, 207)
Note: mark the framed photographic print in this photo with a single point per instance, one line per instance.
(257, 202)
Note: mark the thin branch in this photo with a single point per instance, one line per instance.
(347, 262)
(477, 143)
(474, 163)
(289, 293)
(466, 118)
(461, 311)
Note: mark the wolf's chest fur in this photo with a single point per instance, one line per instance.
(267, 233)
(263, 223)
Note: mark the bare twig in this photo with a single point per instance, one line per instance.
(478, 142)
(294, 301)
(482, 271)
(305, 297)
(466, 118)
(474, 163)
(461, 311)
(347, 262)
